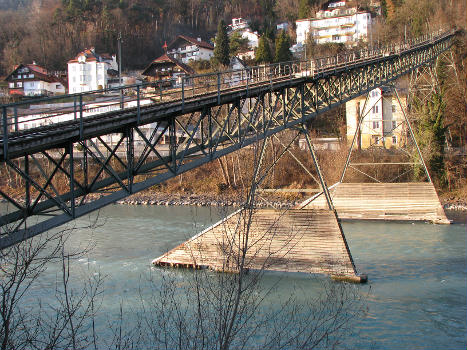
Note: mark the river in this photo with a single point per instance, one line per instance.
(416, 294)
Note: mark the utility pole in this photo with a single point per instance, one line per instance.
(120, 68)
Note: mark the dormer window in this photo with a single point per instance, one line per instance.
(82, 59)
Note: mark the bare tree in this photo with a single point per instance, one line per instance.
(236, 307)
(66, 323)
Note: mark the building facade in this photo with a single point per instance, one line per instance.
(90, 71)
(34, 80)
(338, 23)
(186, 49)
(383, 124)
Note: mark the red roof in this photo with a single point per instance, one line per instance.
(191, 40)
(91, 56)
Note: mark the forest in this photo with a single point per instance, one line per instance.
(51, 32)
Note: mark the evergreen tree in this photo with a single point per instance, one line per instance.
(431, 135)
(263, 52)
(221, 51)
(282, 48)
(237, 43)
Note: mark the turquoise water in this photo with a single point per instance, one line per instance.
(416, 295)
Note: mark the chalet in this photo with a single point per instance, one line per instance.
(186, 49)
(166, 67)
(90, 71)
(34, 80)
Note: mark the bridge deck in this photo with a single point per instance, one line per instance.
(384, 201)
(294, 241)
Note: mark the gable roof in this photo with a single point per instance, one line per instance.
(39, 73)
(168, 59)
(92, 56)
(190, 40)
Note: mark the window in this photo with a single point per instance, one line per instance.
(19, 84)
(394, 140)
(375, 140)
(11, 85)
(31, 75)
(394, 124)
(375, 125)
(58, 86)
(374, 109)
(393, 108)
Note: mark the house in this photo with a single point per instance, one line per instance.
(241, 26)
(90, 71)
(337, 22)
(186, 49)
(167, 67)
(238, 24)
(282, 26)
(34, 80)
(383, 124)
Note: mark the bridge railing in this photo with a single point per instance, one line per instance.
(76, 108)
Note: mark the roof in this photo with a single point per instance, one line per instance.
(168, 59)
(91, 56)
(191, 40)
(40, 73)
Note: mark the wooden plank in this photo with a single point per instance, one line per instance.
(292, 240)
(384, 201)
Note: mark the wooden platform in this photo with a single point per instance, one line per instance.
(308, 240)
(384, 201)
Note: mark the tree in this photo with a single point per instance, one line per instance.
(282, 48)
(221, 51)
(431, 134)
(304, 9)
(65, 324)
(263, 52)
(237, 43)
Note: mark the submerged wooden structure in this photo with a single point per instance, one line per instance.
(417, 201)
(306, 240)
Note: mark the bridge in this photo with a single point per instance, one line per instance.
(81, 152)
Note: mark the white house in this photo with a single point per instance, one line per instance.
(90, 71)
(186, 49)
(253, 37)
(338, 23)
(34, 80)
(241, 26)
(238, 24)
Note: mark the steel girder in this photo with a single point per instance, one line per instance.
(76, 177)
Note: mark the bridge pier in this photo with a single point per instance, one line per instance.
(378, 200)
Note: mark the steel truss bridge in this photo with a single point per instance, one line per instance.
(74, 158)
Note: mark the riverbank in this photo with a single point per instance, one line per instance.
(176, 199)
(233, 199)
(203, 200)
